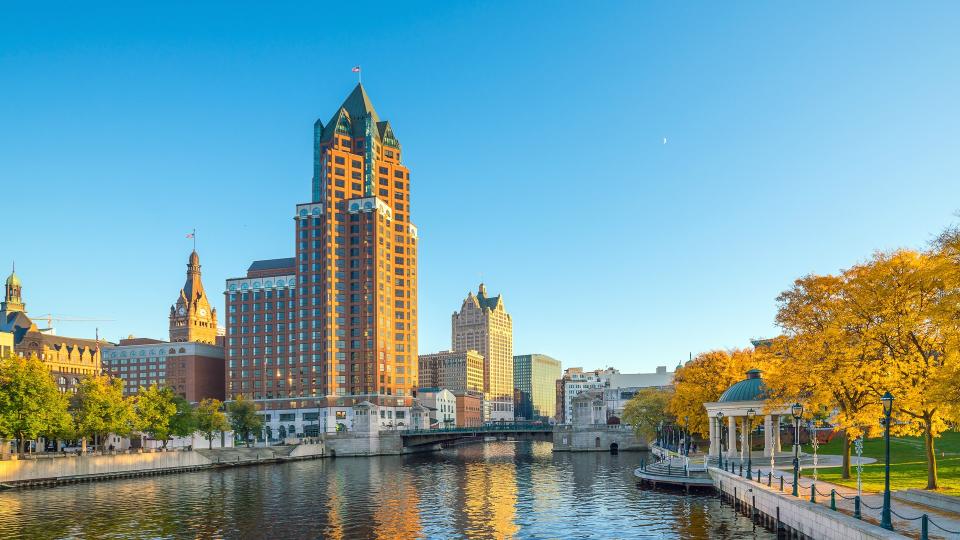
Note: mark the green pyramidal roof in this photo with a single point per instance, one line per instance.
(749, 389)
(354, 109)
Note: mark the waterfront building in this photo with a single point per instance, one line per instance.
(442, 404)
(588, 408)
(455, 371)
(191, 363)
(193, 370)
(534, 381)
(621, 387)
(336, 324)
(483, 324)
(576, 381)
(68, 359)
(469, 409)
(6, 344)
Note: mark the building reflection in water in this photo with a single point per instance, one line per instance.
(489, 491)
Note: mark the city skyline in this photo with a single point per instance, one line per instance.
(133, 138)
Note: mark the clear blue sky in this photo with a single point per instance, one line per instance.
(799, 139)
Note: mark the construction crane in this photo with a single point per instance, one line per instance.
(50, 318)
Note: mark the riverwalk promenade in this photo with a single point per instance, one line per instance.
(907, 512)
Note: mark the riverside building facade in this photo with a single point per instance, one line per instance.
(455, 371)
(534, 378)
(336, 324)
(483, 325)
(191, 363)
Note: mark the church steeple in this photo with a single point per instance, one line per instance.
(191, 317)
(12, 296)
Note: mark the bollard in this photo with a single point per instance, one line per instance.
(813, 493)
(833, 499)
(781, 482)
(669, 468)
(924, 527)
(856, 507)
(769, 478)
(741, 469)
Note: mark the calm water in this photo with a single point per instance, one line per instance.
(492, 490)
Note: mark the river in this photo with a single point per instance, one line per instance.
(489, 490)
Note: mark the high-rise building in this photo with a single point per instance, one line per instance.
(338, 322)
(68, 359)
(191, 363)
(534, 378)
(191, 317)
(483, 325)
(455, 371)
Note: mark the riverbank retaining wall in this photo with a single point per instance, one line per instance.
(800, 518)
(68, 469)
(600, 438)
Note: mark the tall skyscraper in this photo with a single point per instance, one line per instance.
(535, 380)
(340, 318)
(483, 324)
(191, 317)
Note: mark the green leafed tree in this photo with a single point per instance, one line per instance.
(31, 405)
(244, 418)
(155, 409)
(184, 420)
(646, 410)
(210, 420)
(99, 409)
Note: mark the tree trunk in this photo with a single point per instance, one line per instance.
(21, 444)
(210, 441)
(931, 455)
(845, 470)
(83, 444)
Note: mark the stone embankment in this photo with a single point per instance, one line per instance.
(54, 470)
(793, 517)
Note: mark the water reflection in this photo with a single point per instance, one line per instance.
(492, 490)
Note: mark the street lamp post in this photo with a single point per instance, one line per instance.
(750, 414)
(815, 443)
(797, 411)
(858, 446)
(885, 520)
(686, 435)
(720, 442)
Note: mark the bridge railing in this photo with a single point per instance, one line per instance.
(486, 428)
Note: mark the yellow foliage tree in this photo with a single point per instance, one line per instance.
(705, 378)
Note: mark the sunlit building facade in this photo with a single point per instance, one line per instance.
(534, 379)
(337, 323)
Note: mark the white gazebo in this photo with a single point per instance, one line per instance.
(735, 406)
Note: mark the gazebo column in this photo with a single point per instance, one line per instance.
(744, 431)
(776, 435)
(731, 437)
(712, 422)
(767, 435)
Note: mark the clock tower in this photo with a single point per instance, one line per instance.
(192, 318)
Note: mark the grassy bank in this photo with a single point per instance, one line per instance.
(908, 463)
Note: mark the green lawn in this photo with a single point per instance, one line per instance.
(908, 463)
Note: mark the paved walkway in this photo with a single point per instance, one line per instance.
(871, 503)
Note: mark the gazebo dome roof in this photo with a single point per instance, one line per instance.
(749, 389)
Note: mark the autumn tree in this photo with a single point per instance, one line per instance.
(244, 418)
(646, 410)
(824, 360)
(899, 298)
(210, 420)
(704, 379)
(31, 405)
(155, 409)
(99, 408)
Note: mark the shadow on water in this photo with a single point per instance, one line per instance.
(485, 490)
